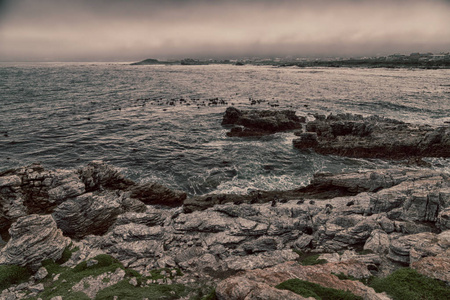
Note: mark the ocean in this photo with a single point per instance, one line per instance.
(162, 123)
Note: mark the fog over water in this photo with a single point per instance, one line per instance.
(51, 30)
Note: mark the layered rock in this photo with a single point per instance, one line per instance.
(32, 190)
(155, 193)
(88, 214)
(84, 201)
(435, 266)
(260, 122)
(230, 237)
(398, 214)
(373, 137)
(323, 186)
(34, 238)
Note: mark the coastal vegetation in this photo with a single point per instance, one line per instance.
(414, 60)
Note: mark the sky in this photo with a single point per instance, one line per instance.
(121, 30)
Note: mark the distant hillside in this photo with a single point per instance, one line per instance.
(150, 61)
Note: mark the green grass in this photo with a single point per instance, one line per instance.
(365, 252)
(309, 259)
(210, 296)
(125, 291)
(342, 276)
(67, 254)
(408, 284)
(309, 289)
(12, 274)
(106, 263)
(204, 292)
(70, 276)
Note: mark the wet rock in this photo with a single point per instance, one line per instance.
(307, 140)
(155, 193)
(375, 137)
(34, 238)
(99, 175)
(262, 122)
(328, 186)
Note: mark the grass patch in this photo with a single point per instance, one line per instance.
(210, 296)
(342, 276)
(67, 254)
(105, 263)
(365, 281)
(156, 273)
(364, 252)
(12, 274)
(204, 293)
(309, 289)
(309, 259)
(69, 277)
(408, 284)
(125, 291)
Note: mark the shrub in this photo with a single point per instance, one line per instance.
(408, 284)
(309, 289)
(12, 274)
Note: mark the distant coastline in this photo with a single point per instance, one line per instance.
(414, 60)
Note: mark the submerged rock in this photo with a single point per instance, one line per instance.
(374, 137)
(260, 122)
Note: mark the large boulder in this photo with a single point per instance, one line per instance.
(99, 175)
(435, 266)
(374, 137)
(155, 193)
(34, 238)
(88, 214)
(34, 190)
(261, 122)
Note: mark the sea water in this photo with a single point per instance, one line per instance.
(162, 123)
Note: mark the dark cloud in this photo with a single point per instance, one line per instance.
(129, 30)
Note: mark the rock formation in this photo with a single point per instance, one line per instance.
(399, 215)
(260, 284)
(260, 122)
(373, 137)
(34, 238)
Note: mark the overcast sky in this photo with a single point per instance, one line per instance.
(120, 30)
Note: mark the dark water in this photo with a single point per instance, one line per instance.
(65, 115)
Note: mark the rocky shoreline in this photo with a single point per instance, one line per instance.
(359, 224)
